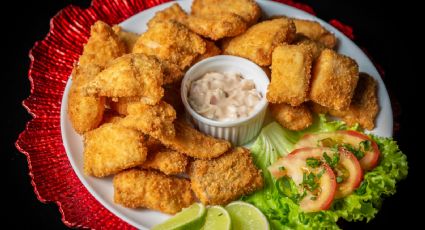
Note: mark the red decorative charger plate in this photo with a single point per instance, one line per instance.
(52, 60)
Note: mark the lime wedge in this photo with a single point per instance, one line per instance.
(189, 218)
(246, 216)
(217, 218)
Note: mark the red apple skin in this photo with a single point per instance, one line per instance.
(370, 159)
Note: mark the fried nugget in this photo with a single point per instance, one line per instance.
(174, 12)
(292, 117)
(334, 79)
(259, 41)
(224, 179)
(364, 106)
(172, 42)
(247, 9)
(111, 116)
(193, 143)
(154, 190)
(154, 120)
(128, 38)
(167, 161)
(102, 47)
(85, 112)
(120, 104)
(211, 51)
(316, 32)
(291, 66)
(315, 47)
(172, 72)
(132, 75)
(112, 148)
(217, 26)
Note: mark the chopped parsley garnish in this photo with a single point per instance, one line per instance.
(220, 214)
(366, 145)
(320, 174)
(339, 179)
(332, 162)
(357, 152)
(281, 168)
(313, 162)
(309, 181)
(313, 198)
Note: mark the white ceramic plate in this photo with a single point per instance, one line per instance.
(102, 189)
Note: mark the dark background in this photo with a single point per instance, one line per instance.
(384, 34)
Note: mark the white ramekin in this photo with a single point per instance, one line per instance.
(239, 131)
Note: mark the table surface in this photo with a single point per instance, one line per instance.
(375, 28)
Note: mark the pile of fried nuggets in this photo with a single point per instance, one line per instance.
(125, 98)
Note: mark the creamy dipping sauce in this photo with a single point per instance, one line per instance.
(223, 96)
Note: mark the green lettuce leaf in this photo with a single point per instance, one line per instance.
(275, 199)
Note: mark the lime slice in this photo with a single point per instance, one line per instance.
(189, 218)
(217, 218)
(246, 216)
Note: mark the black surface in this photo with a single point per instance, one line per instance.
(376, 28)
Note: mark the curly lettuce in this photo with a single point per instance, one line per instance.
(275, 199)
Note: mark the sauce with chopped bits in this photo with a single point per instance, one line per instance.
(223, 96)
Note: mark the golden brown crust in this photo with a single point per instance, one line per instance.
(85, 112)
(129, 38)
(224, 179)
(171, 41)
(364, 106)
(217, 26)
(112, 148)
(131, 75)
(120, 104)
(167, 161)
(174, 12)
(293, 118)
(259, 41)
(149, 189)
(156, 120)
(334, 79)
(211, 51)
(193, 143)
(316, 32)
(316, 48)
(291, 66)
(247, 9)
(102, 47)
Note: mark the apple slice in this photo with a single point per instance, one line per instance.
(318, 183)
(356, 142)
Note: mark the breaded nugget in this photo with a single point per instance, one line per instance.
(316, 108)
(131, 75)
(316, 32)
(85, 112)
(217, 26)
(128, 38)
(224, 179)
(172, 72)
(315, 47)
(259, 41)
(174, 12)
(102, 47)
(172, 42)
(154, 120)
(112, 148)
(154, 190)
(167, 161)
(293, 118)
(247, 9)
(211, 51)
(120, 104)
(193, 143)
(291, 67)
(364, 106)
(111, 116)
(334, 79)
